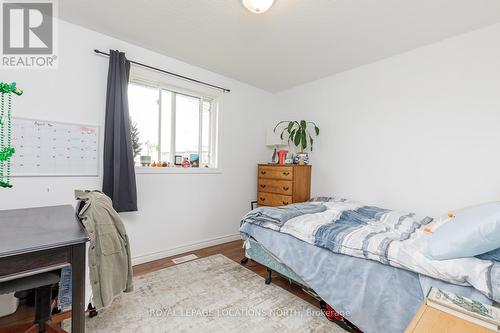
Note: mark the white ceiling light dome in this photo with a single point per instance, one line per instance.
(258, 6)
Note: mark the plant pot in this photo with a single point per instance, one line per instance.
(145, 160)
(301, 158)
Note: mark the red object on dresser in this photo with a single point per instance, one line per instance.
(282, 156)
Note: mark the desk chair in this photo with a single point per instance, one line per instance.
(42, 283)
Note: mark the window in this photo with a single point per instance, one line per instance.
(167, 123)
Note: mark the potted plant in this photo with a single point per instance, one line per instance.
(299, 133)
(146, 159)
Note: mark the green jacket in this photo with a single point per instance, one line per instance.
(109, 252)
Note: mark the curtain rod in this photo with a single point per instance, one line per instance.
(169, 73)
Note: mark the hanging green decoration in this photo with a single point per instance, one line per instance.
(6, 150)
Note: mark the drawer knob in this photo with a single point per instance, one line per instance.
(263, 185)
(285, 203)
(263, 172)
(286, 188)
(286, 173)
(262, 199)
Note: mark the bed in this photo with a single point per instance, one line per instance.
(373, 295)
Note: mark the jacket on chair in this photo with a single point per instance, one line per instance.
(109, 252)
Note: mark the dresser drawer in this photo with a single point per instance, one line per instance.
(271, 199)
(276, 172)
(276, 186)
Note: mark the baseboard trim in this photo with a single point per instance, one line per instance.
(182, 249)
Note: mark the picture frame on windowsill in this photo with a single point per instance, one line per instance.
(194, 160)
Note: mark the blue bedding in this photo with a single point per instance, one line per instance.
(492, 255)
(391, 237)
(374, 296)
(277, 216)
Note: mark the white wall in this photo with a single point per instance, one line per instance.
(175, 210)
(419, 131)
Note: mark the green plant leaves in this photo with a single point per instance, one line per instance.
(298, 132)
(292, 135)
(281, 122)
(298, 137)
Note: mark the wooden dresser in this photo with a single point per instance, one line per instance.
(281, 185)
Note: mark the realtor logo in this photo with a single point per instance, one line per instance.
(28, 30)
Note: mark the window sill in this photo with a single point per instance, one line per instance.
(150, 170)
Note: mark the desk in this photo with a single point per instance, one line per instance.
(37, 240)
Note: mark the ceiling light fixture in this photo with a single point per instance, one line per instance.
(257, 6)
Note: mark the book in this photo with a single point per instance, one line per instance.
(465, 308)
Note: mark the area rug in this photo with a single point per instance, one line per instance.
(213, 295)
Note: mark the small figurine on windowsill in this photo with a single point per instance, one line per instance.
(185, 163)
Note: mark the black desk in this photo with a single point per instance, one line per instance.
(37, 240)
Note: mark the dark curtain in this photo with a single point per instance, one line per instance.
(119, 175)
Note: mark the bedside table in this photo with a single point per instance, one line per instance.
(430, 320)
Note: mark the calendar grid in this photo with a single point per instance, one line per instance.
(49, 148)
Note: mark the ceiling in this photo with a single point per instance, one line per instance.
(295, 42)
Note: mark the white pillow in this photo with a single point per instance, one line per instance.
(470, 232)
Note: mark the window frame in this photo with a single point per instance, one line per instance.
(215, 100)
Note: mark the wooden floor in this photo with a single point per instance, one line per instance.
(232, 250)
